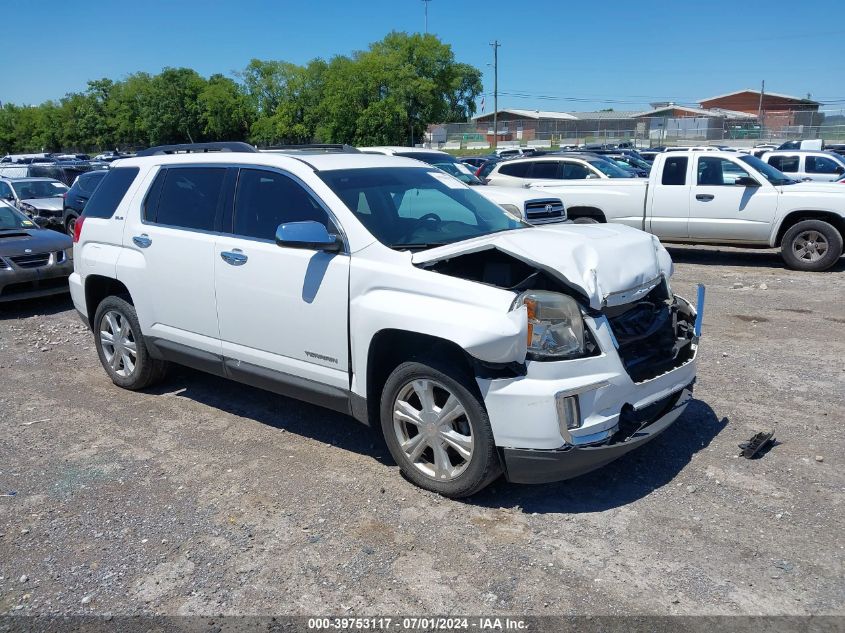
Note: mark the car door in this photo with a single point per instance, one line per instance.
(669, 216)
(172, 243)
(283, 311)
(721, 208)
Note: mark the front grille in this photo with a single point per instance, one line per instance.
(31, 261)
(544, 210)
(654, 337)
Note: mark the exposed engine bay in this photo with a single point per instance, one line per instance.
(654, 334)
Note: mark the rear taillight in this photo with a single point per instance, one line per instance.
(77, 228)
(478, 172)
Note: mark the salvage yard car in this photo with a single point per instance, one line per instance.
(718, 197)
(34, 262)
(39, 198)
(384, 288)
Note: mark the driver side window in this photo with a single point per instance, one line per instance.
(718, 171)
(266, 199)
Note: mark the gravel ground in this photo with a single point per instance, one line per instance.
(208, 497)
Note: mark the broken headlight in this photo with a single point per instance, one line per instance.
(555, 325)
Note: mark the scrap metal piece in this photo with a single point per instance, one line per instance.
(756, 444)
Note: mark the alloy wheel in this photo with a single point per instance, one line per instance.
(810, 246)
(433, 429)
(118, 342)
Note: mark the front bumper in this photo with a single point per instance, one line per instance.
(531, 466)
(29, 283)
(565, 418)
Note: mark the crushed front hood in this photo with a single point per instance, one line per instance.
(610, 264)
(45, 204)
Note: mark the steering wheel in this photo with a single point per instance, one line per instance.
(431, 217)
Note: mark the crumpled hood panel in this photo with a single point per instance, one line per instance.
(610, 264)
(47, 204)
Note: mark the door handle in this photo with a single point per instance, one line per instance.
(704, 197)
(235, 257)
(142, 241)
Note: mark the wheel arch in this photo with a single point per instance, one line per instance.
(97, 288)
(585, 211)
(794, 217)
(389, 348)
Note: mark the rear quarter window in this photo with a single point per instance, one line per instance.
(517, 170)
(108, 195)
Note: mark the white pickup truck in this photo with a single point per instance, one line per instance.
(718, 198)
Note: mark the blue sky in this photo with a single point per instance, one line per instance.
(615, 53)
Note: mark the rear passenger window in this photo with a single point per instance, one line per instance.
(675, 171)
(266, 199)
(517, 170)
(189, 197)
(545, 169)
(104, 201)
(786, 164)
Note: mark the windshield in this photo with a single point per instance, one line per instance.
(10, 218)
(410, 207)
(28, 189)
(447, 163)
(774, 176)
(610, 169)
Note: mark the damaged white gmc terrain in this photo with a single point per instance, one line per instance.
(388, 290)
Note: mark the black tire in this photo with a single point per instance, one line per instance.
(483, 466)
(70, 223)
(147, 371)
(793, 247)
(585, 219)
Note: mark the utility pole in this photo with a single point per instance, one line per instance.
(760, 108)
(495, 44)
(425, 4)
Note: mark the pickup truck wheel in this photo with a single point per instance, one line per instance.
(585, 220)
(811, 245)
(121, 347)
(438, 431)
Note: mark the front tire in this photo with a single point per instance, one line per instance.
(585, 219)
(811, 245)
(437, 430)
(70, 225)
(121, 347)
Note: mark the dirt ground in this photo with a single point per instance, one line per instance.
(207, 497)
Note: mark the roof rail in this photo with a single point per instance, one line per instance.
(340, 148)
(200, 148)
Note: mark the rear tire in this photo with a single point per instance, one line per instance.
(585, 220)
(437, 429)
(811, 245)
(121, 347)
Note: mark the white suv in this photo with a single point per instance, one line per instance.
(807, 165)
(388, 290)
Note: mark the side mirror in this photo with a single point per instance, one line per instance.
(746, 181)
(311, 235)
(590, 176)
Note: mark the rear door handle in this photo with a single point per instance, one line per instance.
(142, 241)
(704, 197)
(235, 257)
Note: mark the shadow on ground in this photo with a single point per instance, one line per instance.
(632, 477)
(726, 256)
(294, 416)
(624, 481)
(43, 306)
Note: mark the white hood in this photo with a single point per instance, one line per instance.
(814, 187)
(611, 264)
